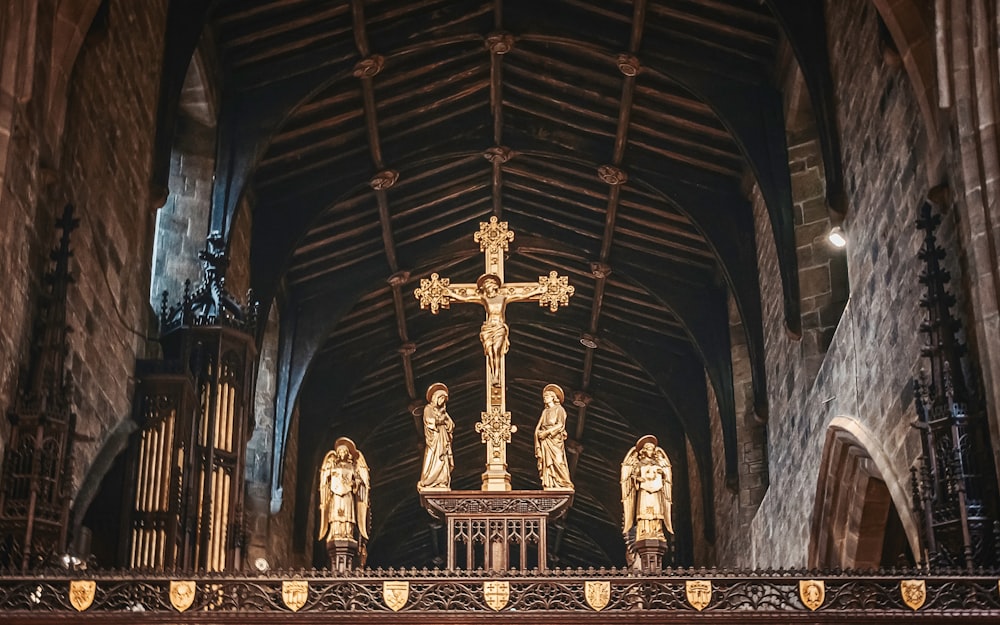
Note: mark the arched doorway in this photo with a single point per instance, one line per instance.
(860, 516)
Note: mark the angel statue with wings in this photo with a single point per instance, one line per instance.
(344, 494)
(646, 482)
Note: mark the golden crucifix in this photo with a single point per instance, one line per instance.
(493, 295)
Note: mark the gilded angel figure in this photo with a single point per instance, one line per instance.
(344, 494)
(646, 481)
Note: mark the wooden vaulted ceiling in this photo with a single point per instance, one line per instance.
(372, 137)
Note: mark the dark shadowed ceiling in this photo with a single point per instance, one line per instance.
(615, 138)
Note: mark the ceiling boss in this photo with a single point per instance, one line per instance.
(493, 295)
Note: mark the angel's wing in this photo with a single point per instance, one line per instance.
(325, 493)
(628, 489)
(666, 493)
(363, 494)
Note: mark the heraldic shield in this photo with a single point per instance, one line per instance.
(81, 593)
(294, 594)
(496, 594)
(597, 594)
(812, 592)
(699, 593)
(395, 594)
(182, 595)
(914, 592)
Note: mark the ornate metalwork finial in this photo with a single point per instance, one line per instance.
(210, 303)
(493, 236)
(433, 293)
(495, 428)
(955, 488)
(557, 291)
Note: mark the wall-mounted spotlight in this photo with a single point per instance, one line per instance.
(837, 237)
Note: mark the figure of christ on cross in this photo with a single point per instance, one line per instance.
(494, 332)
(493, 295)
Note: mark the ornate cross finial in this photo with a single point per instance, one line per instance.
(495, 428)
(433, 293)
(493, 239)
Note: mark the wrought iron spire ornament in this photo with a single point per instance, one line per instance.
(493, 294)
(210, 304)
(35, 493)
(954, 489)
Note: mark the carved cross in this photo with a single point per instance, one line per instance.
(493, 295)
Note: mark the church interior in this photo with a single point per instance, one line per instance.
(764, 232)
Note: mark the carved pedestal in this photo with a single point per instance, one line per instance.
(343, 554)
(650, 553)
(497, 530)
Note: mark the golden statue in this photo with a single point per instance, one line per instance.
(646, 481)
(550, 441)
(438, 428)
(494, 297)
(344, 491)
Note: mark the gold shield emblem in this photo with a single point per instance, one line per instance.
(699, 593)
(597, 594)
(181, 595)
(294, 593)
(812, 592)
(496, 594)
(395, 594)
(81, 593)
(914, 592)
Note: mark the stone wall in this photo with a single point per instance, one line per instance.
(28, 205)
(734, 510)
(182, 223)
(822, 267)
(729, 540)
(866, 372)
(105, 170)
(100, 162)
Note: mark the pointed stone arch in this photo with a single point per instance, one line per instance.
(861, 502)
